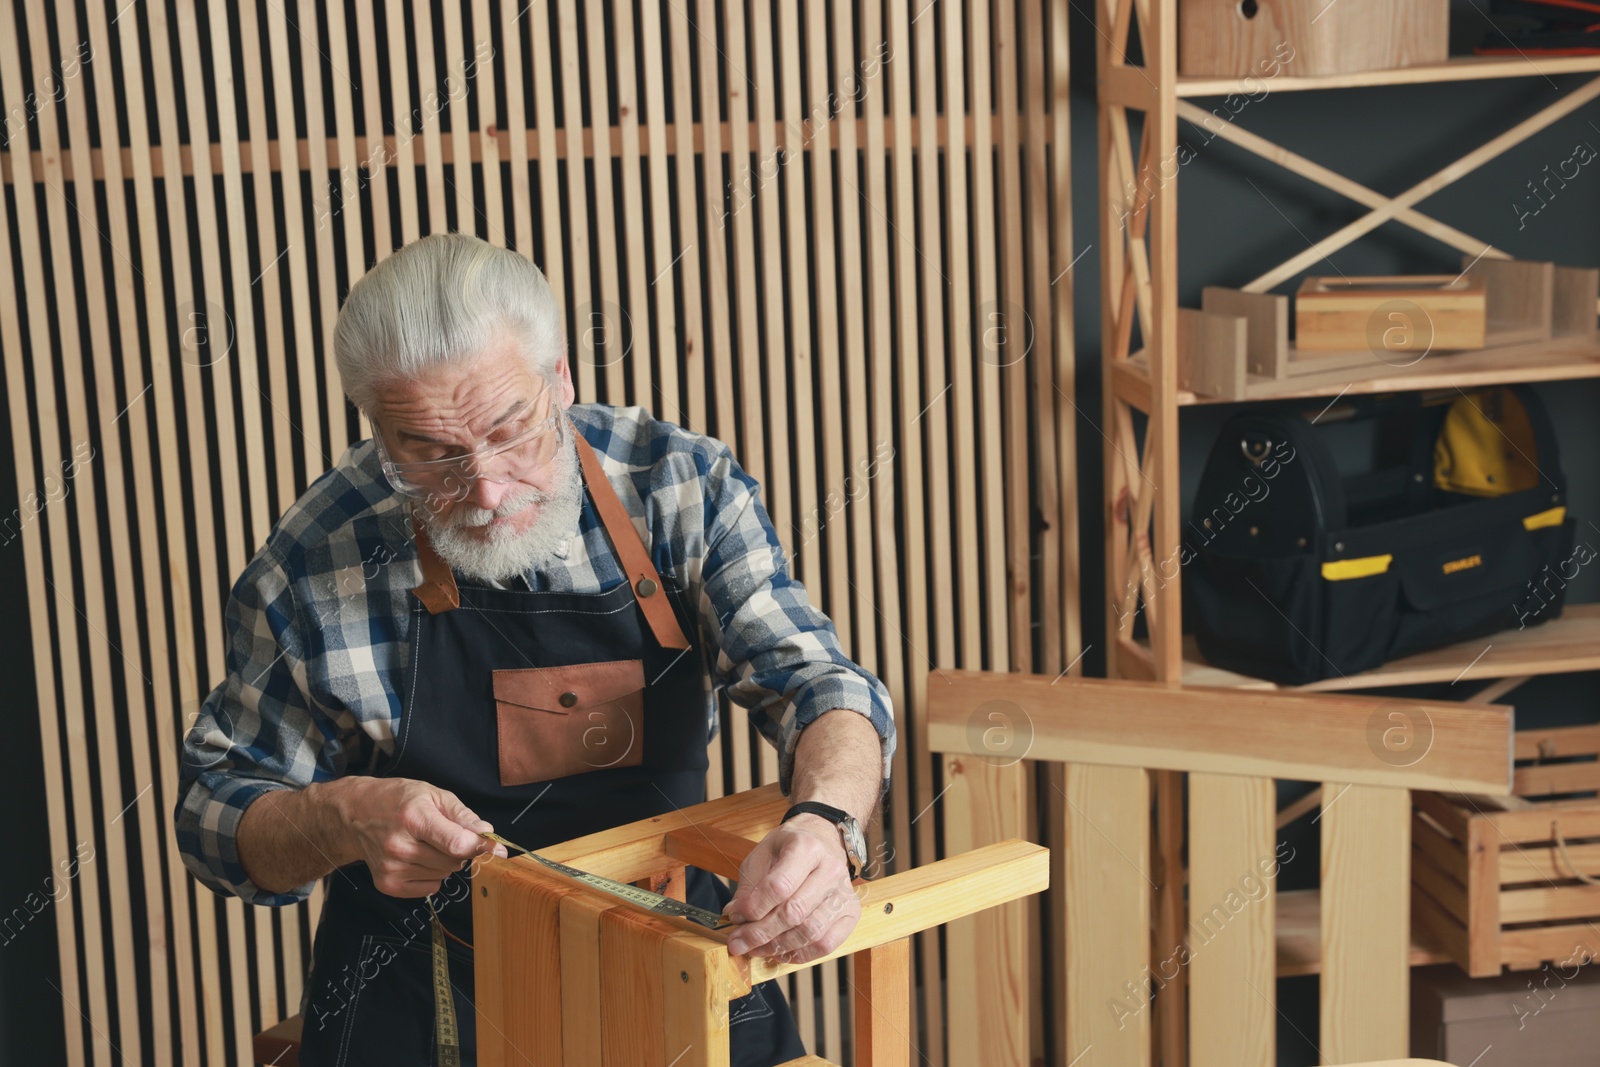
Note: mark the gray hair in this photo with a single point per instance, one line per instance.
(440, 299)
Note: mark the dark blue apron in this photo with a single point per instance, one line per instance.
(370, 993)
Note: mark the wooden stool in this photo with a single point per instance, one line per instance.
(569, 976)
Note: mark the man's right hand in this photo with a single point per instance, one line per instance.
(411, 835)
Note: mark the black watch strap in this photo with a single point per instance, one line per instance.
(813, 807)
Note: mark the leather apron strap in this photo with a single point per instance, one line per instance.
(438, 590)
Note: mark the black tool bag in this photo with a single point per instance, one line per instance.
(1296, 572)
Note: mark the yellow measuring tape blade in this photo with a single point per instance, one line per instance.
(632, 894)
(444, 1005)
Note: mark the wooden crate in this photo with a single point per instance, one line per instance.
(1307, 37)
(1391, 313)
(1499, 881)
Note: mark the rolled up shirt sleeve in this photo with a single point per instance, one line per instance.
(256, 732)
(776, 655)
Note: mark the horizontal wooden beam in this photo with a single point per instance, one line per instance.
(710, 849)
(800, 134)
(638, 850)
(1366, 740)
(932, 895)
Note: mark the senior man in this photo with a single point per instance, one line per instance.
(506, 610)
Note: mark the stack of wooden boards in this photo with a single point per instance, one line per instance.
(1236, 345)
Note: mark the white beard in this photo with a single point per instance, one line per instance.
(505, 555)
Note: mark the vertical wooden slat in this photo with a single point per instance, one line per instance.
(519, 202)
(882, 1008)
(638, 306)
(351, 183)
(74, 924)
(424, 121)
(694, 985)
(986, 802)
(581, 1000)
(573, 224)
(1231, 934)
(598, 317)
(1010, 580)
(736, 212)
(107, 410)
(700, 213)
(452, 93)
(1366, 923)
(1108, 910)
(405, 133)
(183, 693)
(692, 352)
(91, 708)
(544, 111)
(664, 258)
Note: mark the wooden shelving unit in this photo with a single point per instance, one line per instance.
(1140, 192)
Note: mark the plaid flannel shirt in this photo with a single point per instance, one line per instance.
(317, 627)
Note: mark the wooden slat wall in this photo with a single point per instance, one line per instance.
(835, 236)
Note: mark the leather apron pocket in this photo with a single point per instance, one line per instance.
(554, 722)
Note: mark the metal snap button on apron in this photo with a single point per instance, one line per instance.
(646, 587)
(568, 699)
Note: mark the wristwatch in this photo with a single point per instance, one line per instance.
(855, 842)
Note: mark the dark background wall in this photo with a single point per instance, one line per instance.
(1237, 214)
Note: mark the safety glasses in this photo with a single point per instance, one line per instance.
(519, 449)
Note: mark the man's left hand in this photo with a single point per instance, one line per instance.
(795, 896)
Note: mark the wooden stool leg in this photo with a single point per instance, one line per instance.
(882, 988)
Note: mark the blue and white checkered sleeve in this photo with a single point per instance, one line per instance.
(255, 733)
(776, 655)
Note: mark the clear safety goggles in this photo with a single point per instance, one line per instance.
(516, 451)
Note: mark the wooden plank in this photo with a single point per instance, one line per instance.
(108, 966)
(881, 994)
(988, 953)
(1545, 903)
(1558, 742)
(1281, 734)
(1554, 778)
(931, 895)
(602, 318)
(582, 1002)
(1211, 353)
(1532, 946)
(696, 984)
(663, 389)
(1366, 931)
(519, 977)
(72, 927)
(1266, 317)
(1572, 302)
(1519, 297)
(710, 848)
(632, 1001)
(1108, 912)
(1232, 938)
(1546, 864)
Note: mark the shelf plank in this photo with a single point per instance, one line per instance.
(1299, 936)
(1558, 359)
(1460, 68)
(1569, 643)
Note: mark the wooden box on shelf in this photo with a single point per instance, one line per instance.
(1307, 37)
(1395, 313)
(1515, 881)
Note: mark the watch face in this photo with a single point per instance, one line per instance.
(855, 843)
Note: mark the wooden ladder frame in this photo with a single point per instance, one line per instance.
(569, 976)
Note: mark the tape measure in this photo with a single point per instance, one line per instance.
(639, 898)
(444, 1005)
(447, 1037)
